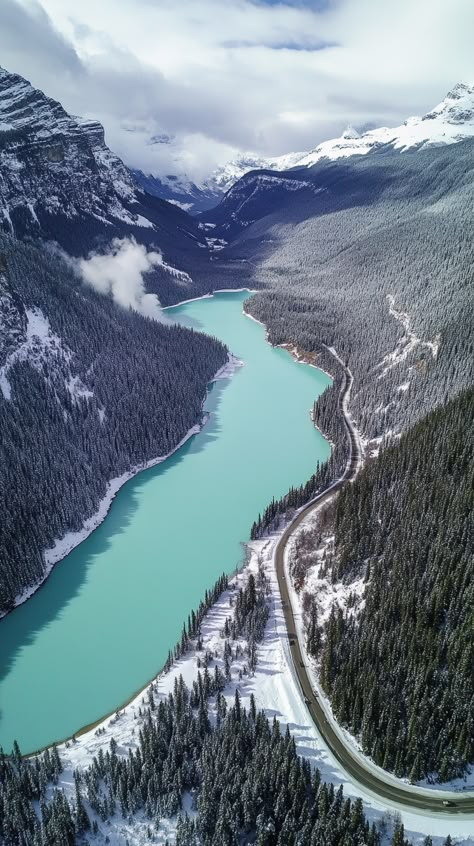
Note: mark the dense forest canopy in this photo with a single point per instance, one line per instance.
(237, 769)
(97, 391)
(400, 674)
(372, 256)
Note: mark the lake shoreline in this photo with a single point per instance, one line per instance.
(209, 296)
(77, 728)
(300, 356)
(224, 372)
(71, 540)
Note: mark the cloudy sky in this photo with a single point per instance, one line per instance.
(217, 77)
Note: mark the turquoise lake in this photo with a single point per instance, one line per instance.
(103, 623)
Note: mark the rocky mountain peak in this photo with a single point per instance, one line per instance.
(55, 164)
(457, 108)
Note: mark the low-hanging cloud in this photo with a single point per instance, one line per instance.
(119, 273)
(259, 75)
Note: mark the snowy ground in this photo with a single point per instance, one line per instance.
(207, 296)
(406, 343)
(276, 690)
(414, 823)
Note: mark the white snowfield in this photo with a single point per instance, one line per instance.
(275, 690)
(448, 123)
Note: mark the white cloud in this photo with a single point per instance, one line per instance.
(237, 75)
(119, 273)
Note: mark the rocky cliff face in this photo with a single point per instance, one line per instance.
(60, 182)
(52, 163)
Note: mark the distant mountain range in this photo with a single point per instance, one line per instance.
(449, 122)
(201, 197)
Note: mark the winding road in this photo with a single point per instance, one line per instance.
(381, 785)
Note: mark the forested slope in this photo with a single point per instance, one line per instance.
(373, 256)
(249, 784)
(199, 745)
(87, 390)
(400, 674)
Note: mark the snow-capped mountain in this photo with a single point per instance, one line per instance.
(227, 175)
(449, 122)
(90, 387)
(56, 171)
(52, 163)
(200, 197)
(180, 191)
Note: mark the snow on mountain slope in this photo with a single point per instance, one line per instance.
(60, 182)
(449, 122)
(227, 175)
(44, 351)
(181, 191)
(53, 163)
(199, 197)
(26, 336)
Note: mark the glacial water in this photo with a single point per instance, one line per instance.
(103, 623)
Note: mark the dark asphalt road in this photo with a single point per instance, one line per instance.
(382, 788)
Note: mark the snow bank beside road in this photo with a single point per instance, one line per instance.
(276, 691)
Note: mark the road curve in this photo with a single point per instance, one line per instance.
(381, 786)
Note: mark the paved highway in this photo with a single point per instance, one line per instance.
(381, 786)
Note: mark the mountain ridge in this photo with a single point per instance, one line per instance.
(451, 121)
(60, 182)
(115, 388)
(37, 136)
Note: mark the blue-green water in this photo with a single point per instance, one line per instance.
(103, 623)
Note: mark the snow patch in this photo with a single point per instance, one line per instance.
(31, 209)
(306, 564)
(6, 215)
(40, 344)
(77, 389)
(144, 222)
(407, 343)
(184, 206)
(216, 244)
(228, 369)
